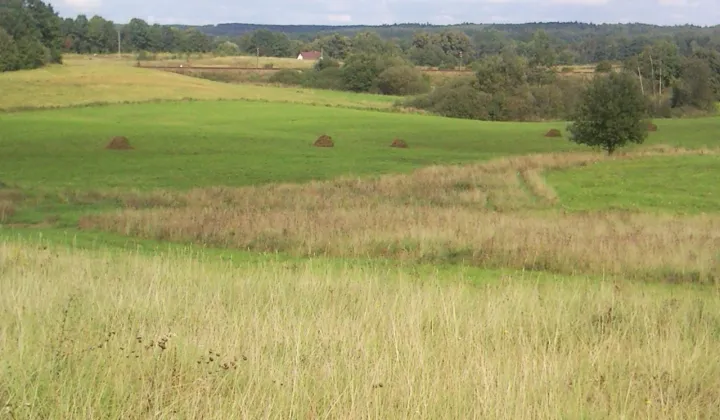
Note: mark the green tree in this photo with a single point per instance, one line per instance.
(694, 87)
(35, 30)
(269, 44)
(611, 113)
(226, 49)
(137, 33)
(8, 52)
(541, 51)
(501, 73)
(402, 80)
(361, 70)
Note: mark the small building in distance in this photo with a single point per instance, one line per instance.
(310, 55)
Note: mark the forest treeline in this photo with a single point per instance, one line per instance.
(513, 67)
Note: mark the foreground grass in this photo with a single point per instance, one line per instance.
(119, 335)
(685, 184)
(86, 81)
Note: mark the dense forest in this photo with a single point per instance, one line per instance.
(29, 35)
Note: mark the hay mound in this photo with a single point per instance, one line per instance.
(119, 143)
(324, 141)
(652, 127)
(399, 143)
(553, 133)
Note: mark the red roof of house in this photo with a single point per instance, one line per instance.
(311, 55)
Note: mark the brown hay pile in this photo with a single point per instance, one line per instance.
(399, 143)
(324, 141)
(652, 127)
(119, 143)
(553, 133)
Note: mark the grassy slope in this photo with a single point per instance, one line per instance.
(123, 335)
(687, 184)
(84, 81)
(182, 145)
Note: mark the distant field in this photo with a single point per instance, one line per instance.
(686, 184)
(87, 81)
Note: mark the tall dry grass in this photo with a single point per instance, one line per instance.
(492, 215)
(86, 335)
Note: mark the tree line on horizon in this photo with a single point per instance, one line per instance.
(677, 68)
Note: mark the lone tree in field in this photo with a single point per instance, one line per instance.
(611, 113)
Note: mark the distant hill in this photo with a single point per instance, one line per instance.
(404, 29)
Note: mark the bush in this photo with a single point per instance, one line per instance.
(268, 66)
(402, 80)
(287, 77)
(457, 99)
(604, 67)
(330, 78)
(227, 49)
(361, 70)
(326, 63)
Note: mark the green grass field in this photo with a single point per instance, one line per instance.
(185, 145)
(678, 184)
(225, 268)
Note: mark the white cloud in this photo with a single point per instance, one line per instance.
(339, 18)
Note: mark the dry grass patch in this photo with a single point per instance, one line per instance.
(7, 210)
(479, 214)
(125, 336)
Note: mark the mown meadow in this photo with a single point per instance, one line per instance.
(226, 268)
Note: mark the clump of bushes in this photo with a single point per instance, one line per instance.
(603, 67)
(402, 80)
(361, 73)
(287, 77)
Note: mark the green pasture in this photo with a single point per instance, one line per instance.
(196, 144)
(682, 184)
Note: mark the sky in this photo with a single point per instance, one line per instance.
(373, 12)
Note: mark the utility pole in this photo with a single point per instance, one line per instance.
(258, 57)
(119, 47)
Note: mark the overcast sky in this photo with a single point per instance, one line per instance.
(666, 12)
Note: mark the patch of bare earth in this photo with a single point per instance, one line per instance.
(492, 215)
